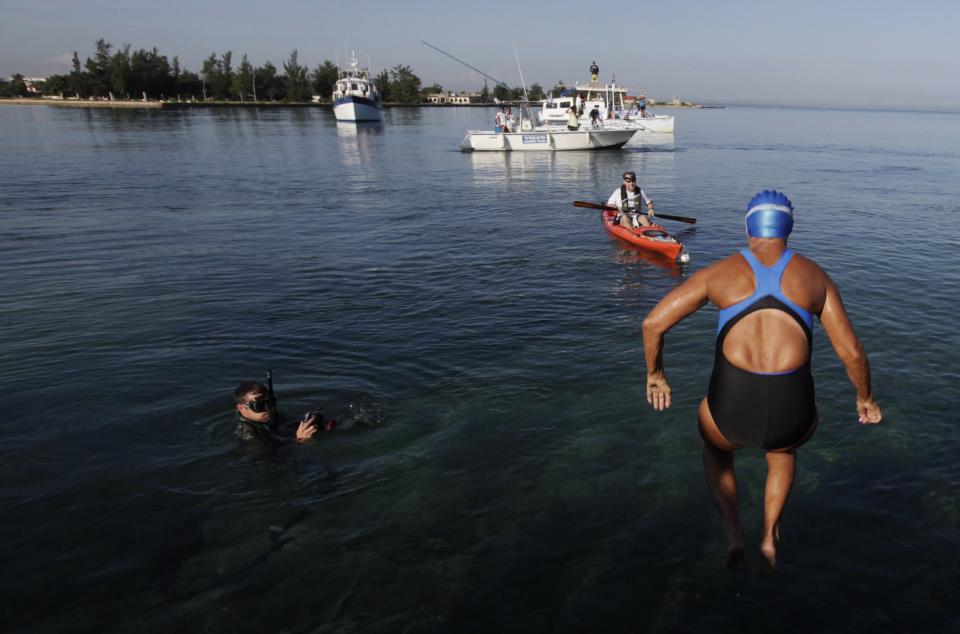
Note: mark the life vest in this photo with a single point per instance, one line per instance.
(626, 204)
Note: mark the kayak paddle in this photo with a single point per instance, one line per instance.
(686, 219)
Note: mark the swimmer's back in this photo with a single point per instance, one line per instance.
(767, 340)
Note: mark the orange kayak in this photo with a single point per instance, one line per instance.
(653, 238)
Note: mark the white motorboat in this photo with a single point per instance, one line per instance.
(355, 96)
(609, 102)
(549, 138)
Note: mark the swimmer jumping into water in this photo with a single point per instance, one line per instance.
(761, 391)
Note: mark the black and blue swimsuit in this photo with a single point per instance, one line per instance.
(767, 410)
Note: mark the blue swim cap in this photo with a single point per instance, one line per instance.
(769, 215)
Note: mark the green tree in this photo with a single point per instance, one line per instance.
(485, 94)
(382, 82)
(99, 69)
(79, 80)
(431, 89)
(57, 85)
(217, 76)
(243, 78)
(269, 85)
(501, 92)
(404, 85)
(120, 73)
(324, 77)
(16, 87)
(296, 78)
(189, 85)
(536, 92)
(226, 78)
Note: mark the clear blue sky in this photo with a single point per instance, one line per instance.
(837, 53)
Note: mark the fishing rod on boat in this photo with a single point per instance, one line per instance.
(473, 68)
(522, 83)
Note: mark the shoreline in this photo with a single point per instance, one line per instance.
(155, 105)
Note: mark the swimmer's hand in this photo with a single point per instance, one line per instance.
(307, 428)
(658, 391)
(869, 411)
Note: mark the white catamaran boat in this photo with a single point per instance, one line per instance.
(608, 99)
(355, 96)
(530, 137)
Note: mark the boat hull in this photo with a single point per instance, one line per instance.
(351, 108)
(545, 140)
(656, 123)
(654, 238)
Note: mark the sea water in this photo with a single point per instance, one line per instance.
(498, 469)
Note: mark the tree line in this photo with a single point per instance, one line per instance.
(123, 73)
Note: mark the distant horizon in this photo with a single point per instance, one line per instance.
(858, 54)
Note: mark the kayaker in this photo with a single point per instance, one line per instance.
(628, 199)
(761, 392)
(257, 417)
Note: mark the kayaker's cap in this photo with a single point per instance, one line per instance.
(769, 215)
(630, 176)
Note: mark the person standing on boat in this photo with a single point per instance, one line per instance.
(595, 117)
(500, 120)
(761, 392)
(594, 72)
(573, 119)
(642, 106)
(511, 121)
(628, 200)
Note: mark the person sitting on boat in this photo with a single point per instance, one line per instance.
(511, 121)
(573, 119)
(628, 200)
(258, 419)
(594, 72)
(500, 119)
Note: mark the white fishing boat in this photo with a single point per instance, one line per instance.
(355, 96)
(608, 99)
(545, 138)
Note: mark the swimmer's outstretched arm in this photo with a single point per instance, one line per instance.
(837, 325)
(679, 303)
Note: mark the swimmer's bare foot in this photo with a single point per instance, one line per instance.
(766, 564)
(736, 559)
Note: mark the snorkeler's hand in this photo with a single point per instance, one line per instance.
(868, 411)
(658, 391)
(306, 429)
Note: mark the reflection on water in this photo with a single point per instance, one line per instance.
(358, 140)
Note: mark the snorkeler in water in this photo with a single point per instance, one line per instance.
(258, 418)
